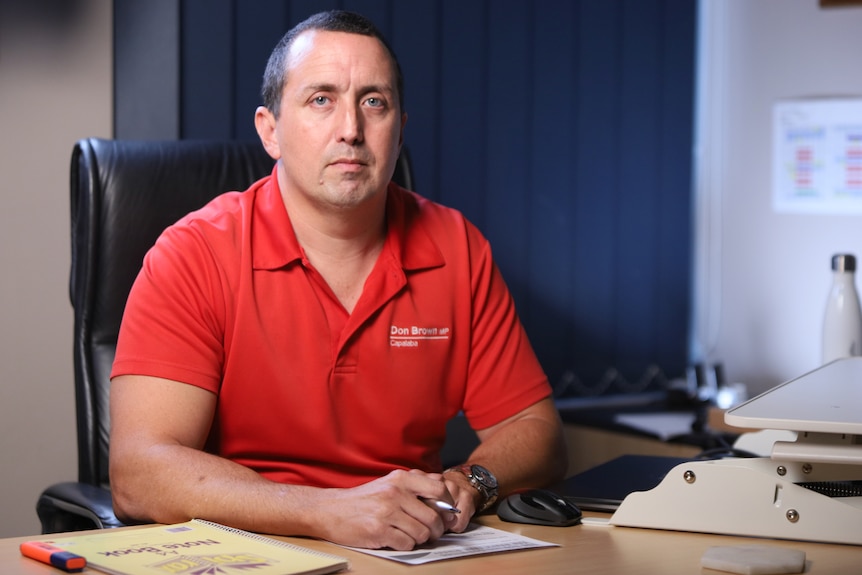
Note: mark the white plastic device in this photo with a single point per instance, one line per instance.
(804, 490)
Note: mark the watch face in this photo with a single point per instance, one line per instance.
(484, 476)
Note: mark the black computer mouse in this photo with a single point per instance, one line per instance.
(538, 507)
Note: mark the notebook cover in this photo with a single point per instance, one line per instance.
(195, 547)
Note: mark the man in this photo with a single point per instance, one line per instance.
(290, 355)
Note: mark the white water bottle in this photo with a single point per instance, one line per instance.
(842, 323)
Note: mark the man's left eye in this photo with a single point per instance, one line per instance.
(374, 102)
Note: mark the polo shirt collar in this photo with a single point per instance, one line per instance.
(411, 243)
(274, 243)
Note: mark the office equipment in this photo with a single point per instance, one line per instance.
(123, 195)
(808, 489)
(539, 507)
(52, 555)
(196, 547)
(440, 505)
(603, 487)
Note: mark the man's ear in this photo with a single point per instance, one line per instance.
(264, 123)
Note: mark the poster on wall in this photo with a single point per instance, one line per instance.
(817, 156)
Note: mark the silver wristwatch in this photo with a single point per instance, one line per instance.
(483, 480)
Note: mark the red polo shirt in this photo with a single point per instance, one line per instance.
(308, 393)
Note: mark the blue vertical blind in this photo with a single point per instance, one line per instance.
(561, 128)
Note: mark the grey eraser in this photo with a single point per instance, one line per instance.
(754, 559)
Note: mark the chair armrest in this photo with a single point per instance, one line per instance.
(73, 506)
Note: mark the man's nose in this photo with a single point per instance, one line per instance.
(350, 128)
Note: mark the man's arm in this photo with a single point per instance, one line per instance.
(160, 473)
(526, 450)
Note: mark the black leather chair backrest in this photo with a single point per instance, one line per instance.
(123, 195)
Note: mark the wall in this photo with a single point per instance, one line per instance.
(55, 87)
(762, 277)
(577, 167)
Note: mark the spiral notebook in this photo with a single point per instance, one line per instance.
(193, 547)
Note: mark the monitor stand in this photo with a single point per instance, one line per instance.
(809, 489)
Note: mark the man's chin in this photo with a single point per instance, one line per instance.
(351, 194)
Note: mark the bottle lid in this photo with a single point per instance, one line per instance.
(844, 263)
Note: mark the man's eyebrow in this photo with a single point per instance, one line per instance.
(380, 88)
(311, 88)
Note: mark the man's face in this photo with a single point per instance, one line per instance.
(340, 127)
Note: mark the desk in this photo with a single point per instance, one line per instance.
(584, 549)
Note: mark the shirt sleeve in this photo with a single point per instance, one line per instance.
(504, 375)
(173, 324)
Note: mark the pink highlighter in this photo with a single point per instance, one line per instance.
(51, 555)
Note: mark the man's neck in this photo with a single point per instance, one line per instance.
(335, 233)
(341, 244)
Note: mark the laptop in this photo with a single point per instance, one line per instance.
(603, 487)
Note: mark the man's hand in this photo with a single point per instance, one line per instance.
(467, 499)
(387, 512)
(526, 450)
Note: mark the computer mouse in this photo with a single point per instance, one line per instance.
(538, 507)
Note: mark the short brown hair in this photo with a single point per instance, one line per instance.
(331, 21)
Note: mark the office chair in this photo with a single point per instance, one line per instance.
(123, 194)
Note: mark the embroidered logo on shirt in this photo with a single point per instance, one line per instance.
(411, 336)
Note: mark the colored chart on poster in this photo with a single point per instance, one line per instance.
(817, 156)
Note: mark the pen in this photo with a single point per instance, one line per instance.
(441, 505)
(51, 555)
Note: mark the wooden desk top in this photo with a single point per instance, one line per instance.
(592, 549)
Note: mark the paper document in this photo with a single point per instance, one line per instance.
(663, 425)
(476, 540)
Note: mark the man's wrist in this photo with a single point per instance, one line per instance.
(482, 480)
(463, 485)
